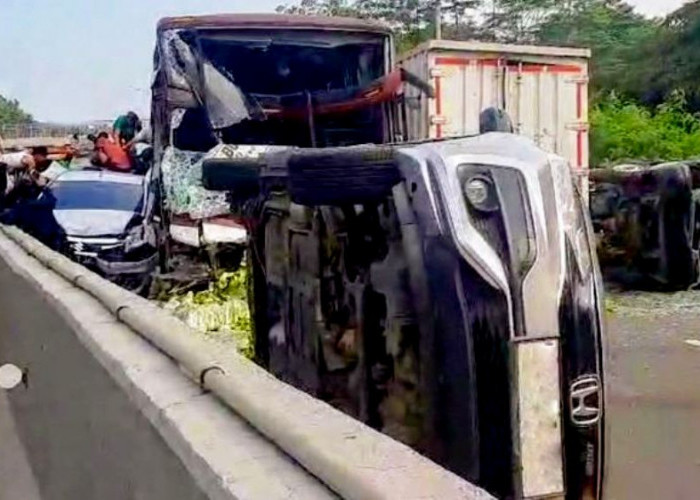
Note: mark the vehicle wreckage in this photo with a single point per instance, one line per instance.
(647, 222)
(444, 292)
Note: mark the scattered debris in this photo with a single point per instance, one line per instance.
(220, 310)
(646, 303)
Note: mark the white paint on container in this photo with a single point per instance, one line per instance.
(543, 89)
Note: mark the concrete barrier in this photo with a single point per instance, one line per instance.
(108, 413)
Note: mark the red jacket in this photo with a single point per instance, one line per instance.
(117, 158)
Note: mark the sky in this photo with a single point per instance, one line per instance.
(77, 60)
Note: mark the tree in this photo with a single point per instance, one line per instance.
(669, 62)
(519, 20)
(413, 21)
(321, 8)
(11, 113)
(613, 31)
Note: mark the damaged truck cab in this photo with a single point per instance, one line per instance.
(444, 292)
(236, 86)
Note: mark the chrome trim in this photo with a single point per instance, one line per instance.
(94, 241)
(472, 245)
(583, 412)
(85, 254)
(542, 285)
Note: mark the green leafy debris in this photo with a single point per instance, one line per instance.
(220, 311)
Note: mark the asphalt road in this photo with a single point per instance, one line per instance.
(16, 478)
(654, 397)
(654, 404)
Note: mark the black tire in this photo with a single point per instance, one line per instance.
(240, 177)
(677, 211)
(495, 120)
(696, 220)
(3, 184)
(342, 176)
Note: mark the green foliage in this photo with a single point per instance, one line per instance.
(669, 61)
(611, 29)
(221, 310)
(413, 21)
(11, 113)
(624, 130)
(519, 20)
(321, 8)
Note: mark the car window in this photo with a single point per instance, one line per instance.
(98, 195)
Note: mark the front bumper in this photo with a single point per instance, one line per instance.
(141, 266)
(107, 256)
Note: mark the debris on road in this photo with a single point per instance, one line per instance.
(220, 310)
(646, 303)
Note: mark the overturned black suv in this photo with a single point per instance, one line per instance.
(446, 293)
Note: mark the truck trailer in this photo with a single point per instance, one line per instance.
(544, 90)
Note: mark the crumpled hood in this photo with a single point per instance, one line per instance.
(93, 222)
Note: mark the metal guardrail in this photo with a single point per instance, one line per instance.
(353, 460)
(32, 130)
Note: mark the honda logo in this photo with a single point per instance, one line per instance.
(585, 401)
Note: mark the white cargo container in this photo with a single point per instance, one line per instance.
(543, 89)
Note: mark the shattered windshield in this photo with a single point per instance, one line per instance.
(285, 66)
(259, 87)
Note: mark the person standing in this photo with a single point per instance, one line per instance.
(23, 163)
(20, 174)
(24, 159)
(126, 127)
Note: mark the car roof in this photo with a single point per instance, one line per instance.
(87, 175)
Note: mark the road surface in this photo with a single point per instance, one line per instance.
(16, 478)
(654, 397)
